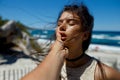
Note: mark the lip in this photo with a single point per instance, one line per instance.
(63, 36)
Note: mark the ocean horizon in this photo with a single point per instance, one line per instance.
(110, 38)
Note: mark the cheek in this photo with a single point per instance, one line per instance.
(72, 31)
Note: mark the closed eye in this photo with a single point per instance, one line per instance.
(59, 22)
(73, 22)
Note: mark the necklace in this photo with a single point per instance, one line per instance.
(75, 59)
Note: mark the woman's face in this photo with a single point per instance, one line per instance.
(69, 29)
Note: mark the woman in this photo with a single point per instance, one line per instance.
(67, 59)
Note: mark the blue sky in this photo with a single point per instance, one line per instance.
(38, 13)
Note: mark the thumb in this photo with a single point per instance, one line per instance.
(65, 52)
(57, 45)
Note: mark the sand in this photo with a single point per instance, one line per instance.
(14, 71)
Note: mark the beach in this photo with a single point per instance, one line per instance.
(109, 55)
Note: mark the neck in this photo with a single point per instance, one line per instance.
(76, 59)
(80, 62)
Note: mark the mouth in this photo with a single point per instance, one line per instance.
(63, 36)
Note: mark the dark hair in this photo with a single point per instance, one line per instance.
(87, 20)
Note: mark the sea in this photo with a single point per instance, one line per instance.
(110, 38)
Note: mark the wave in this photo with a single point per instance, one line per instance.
(40, 36)
(98, 37)
(118, 42)
(103, 36)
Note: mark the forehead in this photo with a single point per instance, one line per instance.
(68, 15)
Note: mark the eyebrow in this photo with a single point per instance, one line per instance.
(71, 19)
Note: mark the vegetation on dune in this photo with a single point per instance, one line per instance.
(24, 29)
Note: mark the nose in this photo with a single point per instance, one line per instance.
(62, 27)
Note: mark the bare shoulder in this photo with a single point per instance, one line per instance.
(105, 72)
(111, 73)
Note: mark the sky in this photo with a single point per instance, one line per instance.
(40, 13)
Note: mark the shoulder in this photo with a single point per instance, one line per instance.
(111, 73)
(105, 72)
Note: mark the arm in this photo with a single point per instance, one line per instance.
(50, 68)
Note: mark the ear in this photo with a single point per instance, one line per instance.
(86, 35)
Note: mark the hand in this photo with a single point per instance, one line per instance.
(58, 48)
(58, 45)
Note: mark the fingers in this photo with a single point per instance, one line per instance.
(58, 48)
(58, 45)
(58, 39)
(58, 36)
(66, 52)
(63, 53)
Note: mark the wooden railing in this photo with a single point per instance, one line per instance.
(14, 73)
